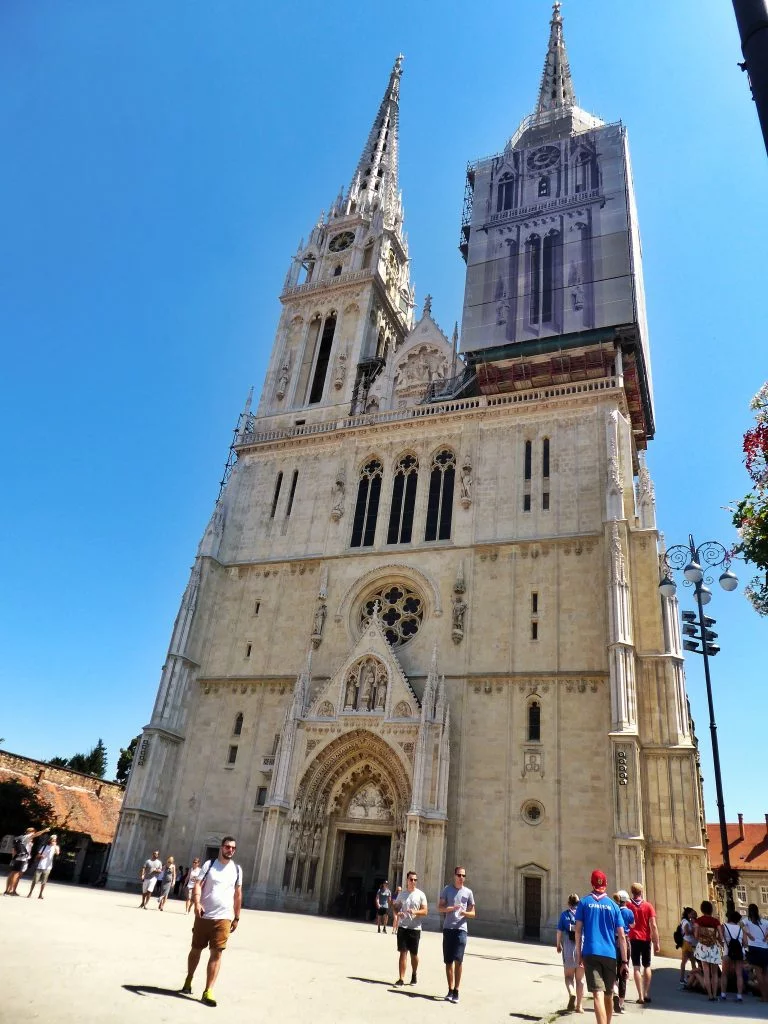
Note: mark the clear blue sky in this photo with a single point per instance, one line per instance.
(162, 161)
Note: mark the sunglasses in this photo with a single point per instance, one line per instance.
(229, 846)
(459, 874)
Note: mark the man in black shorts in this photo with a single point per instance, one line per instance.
(457, 903)
(409, 907)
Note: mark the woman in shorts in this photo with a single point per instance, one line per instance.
(755, 929)
(566, 944)
(733, 954)
(192, 877)
(167, 881)
(708, 951)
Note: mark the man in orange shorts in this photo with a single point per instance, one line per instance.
(217, 896)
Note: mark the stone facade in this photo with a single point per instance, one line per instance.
(423, 625)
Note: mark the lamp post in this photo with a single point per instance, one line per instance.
(695, 562)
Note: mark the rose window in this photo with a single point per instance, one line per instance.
(401, 611)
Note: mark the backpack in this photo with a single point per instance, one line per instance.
(677, 935)
(209, 864)
(19, 847)
(735, 949)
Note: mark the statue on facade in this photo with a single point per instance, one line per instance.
(465, 482)
(337, 509)
(349, 693)
(283, 377)
(459, 611)
(367, 681)
(320, 614)
(341, 371)
(317, 841)
(381, 690)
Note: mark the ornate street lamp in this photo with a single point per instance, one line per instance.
(695, 562)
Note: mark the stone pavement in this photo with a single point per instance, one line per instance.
(83, 955)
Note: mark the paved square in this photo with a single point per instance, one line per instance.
(83, 955)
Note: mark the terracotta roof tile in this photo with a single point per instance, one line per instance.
(747, 854)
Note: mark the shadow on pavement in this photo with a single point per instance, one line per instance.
(153, 990)
(667, 996)
(405, 991)
(511, 959)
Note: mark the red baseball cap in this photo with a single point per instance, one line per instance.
(599, 881)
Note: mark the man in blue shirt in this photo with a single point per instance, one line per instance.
(599, 931)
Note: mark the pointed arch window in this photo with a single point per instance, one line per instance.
(533, 267)
(367, 256)
(534, 720)
(403, 501)
(323, 356)
(367, 505)
(544, 186)
(551, 257)
(505, 193)
(237, 728)
(440, 501)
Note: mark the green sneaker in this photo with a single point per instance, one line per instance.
(207, 998)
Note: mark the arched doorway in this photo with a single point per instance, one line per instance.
(354, 797)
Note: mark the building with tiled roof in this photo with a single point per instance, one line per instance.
(84, 812)
(748, 852)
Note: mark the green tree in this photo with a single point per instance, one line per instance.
(750, 517)
(20, 807)
(125, 761)
(92, 763)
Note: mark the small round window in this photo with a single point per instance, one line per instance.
(401, 611)
(532, 812)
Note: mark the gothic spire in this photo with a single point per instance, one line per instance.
(375, 176)
(556, 90)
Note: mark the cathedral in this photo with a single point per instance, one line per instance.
(423, 625)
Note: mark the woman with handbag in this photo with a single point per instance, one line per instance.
(708, 952)
(756, 946)
(566, 944)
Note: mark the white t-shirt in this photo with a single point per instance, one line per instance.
(45, 859)
(405, 904)
(194, 874)
(756, 932)
(218, 889)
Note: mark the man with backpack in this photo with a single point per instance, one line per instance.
(217, 897)
(22, 854)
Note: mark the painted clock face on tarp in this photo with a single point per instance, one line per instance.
(542, 158)
(341, 241)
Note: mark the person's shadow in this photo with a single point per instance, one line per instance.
(154, 990)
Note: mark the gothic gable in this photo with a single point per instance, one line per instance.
(370, 682)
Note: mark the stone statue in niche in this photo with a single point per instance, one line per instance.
(349, 693)
(293, 838)
(398, 848)
(465, 482)
(317, 841)
(381, 690)
(337, 509)
(341, 371)
(320, 614)
(459, 610)
(367, 680)
(283, 377)
(576, 287)
(304, 841)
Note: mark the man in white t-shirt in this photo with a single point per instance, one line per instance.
(22, 854)
(409, 907)
(150, 873)
(43, 864)
(218, 897)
